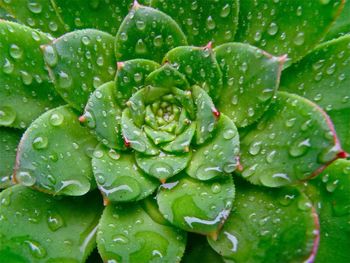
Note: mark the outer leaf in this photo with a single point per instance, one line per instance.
(36, 227)
(163, 166)
(147, 33)
(203, 21)
(341, 25)
(102, 15)
(24, 79)
(294, 141)
(250, 77)
(324, 77)
(290, 27)
(330, 194)
(143, 241)
(218, 156)
(131, 76)
(9, 139)
(103, 115)
(79, 62)
(202, 208)
(200, 67)
(118, 177)
(39, 14)
(268, 225)
(53, 155)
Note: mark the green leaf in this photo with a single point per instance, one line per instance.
(206, 115)
(200, 67)
(36, 227)
(101, 15)
(24, 79)
(292, 143)
(277, 225)
(118, 177)
(203, 21)
(79, 62)
(246, 71)
(218, 156)
(134, 136)
(167, 77)
(131, 76)
(54, 154)
(143, 241)
(9, 139)
(292, 27)
(323, 76)
(196, 206)
(181, 143)
(198, 250)
(147, 33)
(103, 115)
(39, 14)
(164, 165)
(330, 194)
(341, 25)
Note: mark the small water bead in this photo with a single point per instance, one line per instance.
(332, 185)
(54, 220)
(225, 11)
(64, 80)
(216, 188)
(161, 170)
(299, 39)
(211, 23)
(141, 25)
(15, 51)
(34, 7)
(40, 142)
(8, 67)
(27, 79)
(255, 148)
(272, 29)
(36, 249)
(86, 40)
(98, 154)
(25, 178)
(7, 116)
(140, 47)
(113, 154)
(56, 119)
(299, 148)
(122, 239)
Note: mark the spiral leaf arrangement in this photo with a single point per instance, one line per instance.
(174, 131)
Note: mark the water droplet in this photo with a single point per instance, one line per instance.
(158, 41)
(161, 170)
(299, 148)
(7, 116)
(25, 178)
(332, 185)
(229, 167)
(270, 156)
(299, 39)
(210, 23)
(50, 56)
(36, 249)
(272, 29)
(86, 40)
(141, 25)
(254, 148)
(229, 134)
(304, 205)
(15, 51)
(34, 7)
(40, 142)
(90, 119)
(216, 188)
(121, 239)
(8, 67)
(27, 79)
(113, 154)
(225, 11)
(140, 47)
(54, 220)
(249, 171)
(56, 119)
(64, 80)
(208, 171)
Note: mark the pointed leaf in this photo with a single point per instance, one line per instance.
(103, 115)
(164, 165)
(330, 194)
(324, 77)
(203, 21)
(294, 141)
(131, 76)
(118, 177)
(144, 241)
(341, 25)
(159, 137)
(36, 227)
(182, 142)
(38, 14)
(168, 77)
(200, 67)
(246, 71)
(24, 79)
(218, 156)
(135, 137)
(292, 27)
(277, 224)
(147, 33)
(79, 62)
(54, 154)
(202, 208)
(9, 139)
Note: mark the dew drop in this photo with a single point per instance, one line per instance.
(36, 249)
(40, 142)
(25, 178)
(161, 170)
(8, 67)
(64, 80)
(229, 134)
(254, 148)
(56, 119)
(140, 47)
(7, 116)
(34, 7)
(299, 39)
(272, 29)
(225, 11)
(54, 220)
(121, 239)
(299, 148)
(15, 51)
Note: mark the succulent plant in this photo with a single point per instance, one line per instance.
(174, 131)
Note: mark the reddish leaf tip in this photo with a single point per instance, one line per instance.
(343, 155)
(106, 201)
(120, 65)
(82, 119)
(209, 45)
(162, 181)
(126, 142)
(136, 5)
(216, 113)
